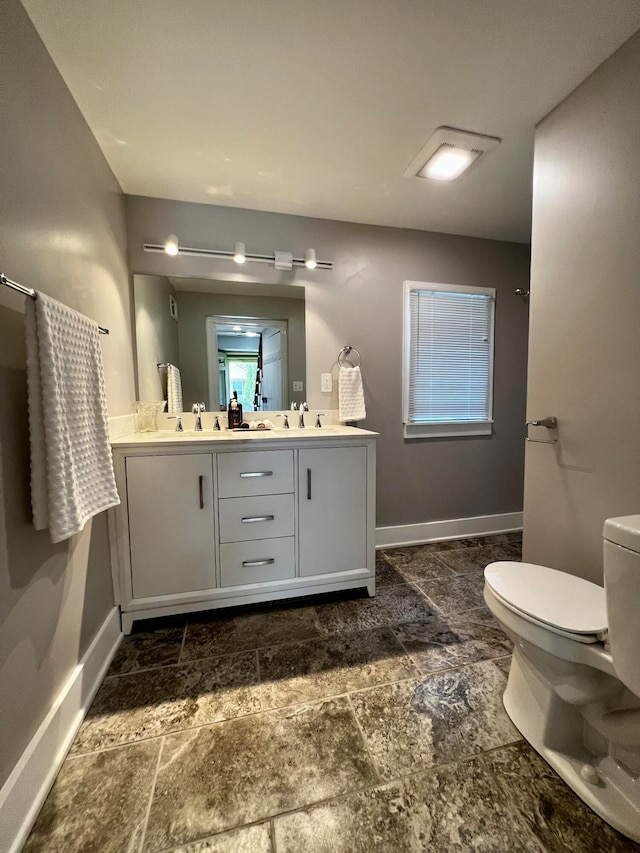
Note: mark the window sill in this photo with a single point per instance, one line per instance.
(448, 430)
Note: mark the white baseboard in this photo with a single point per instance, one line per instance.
(454, 528)
(26, 789)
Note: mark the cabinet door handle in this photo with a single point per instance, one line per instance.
(257, 474)
(201, 490)
(308, 484)
(252, 518)
(268, 562)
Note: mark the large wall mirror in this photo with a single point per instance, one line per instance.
(217, 333)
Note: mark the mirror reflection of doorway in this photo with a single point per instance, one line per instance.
(250, 356)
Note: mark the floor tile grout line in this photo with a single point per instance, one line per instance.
(272, 834)
(184, 637)
(420, 674)
(403, 777)
(151, 796)
(179, 663)
(376, 769)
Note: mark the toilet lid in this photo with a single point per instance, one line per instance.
(555, 598)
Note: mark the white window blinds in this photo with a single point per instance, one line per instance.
(448, 375)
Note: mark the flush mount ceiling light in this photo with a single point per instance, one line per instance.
(280, 260)
(449, 153)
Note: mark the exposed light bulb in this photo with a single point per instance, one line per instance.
(171, 245)
(239, 253)
(310, 259)
(251, 334)
(237, 329)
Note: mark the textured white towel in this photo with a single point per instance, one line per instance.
(350, 394)
(71, 464)
(174, 390)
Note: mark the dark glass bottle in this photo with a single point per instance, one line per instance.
(235, 412)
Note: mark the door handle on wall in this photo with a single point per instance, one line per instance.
(549, 423)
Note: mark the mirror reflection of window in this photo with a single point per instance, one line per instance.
(242, 370)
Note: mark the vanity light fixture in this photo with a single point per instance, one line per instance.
(236, 329)
(171, 246)
(449, 153)
(280, 260)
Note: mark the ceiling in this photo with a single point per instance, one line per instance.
(315, 107)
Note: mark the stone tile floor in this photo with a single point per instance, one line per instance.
(333, 725)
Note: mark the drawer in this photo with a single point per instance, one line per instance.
(254, 562)
(262, 517)
(259, 472)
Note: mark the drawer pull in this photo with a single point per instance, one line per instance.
(251, 519)
(308, 484)
(201, 490)
(268, 562)
(257, 474)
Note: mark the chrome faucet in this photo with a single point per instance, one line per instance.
(178, 420)
(285, 422)
(301, 419)
(197, 410)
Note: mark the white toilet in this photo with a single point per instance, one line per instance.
(574, 685)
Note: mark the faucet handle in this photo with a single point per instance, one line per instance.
(196, 411)
(178, 420)
(318, 416)
(285, 423)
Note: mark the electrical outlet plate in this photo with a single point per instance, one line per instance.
(326, 382)
(298, 386)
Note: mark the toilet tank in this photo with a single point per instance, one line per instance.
(622, 588)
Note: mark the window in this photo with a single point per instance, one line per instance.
(447, 360)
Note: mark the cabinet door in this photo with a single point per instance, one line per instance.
(171, 534)
(332, 497)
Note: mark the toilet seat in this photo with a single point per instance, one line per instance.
(564, 604)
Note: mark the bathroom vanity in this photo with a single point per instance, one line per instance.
(211, 520)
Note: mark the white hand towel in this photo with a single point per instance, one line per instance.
(350, 394)
(71, 464)
(174, 390)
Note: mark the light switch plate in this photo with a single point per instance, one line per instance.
(298, 386)
(326, 382)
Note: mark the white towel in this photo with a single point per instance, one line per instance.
(71, 464)
(174, 390)
(350, 394)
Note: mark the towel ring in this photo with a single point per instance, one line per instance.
(345, 352)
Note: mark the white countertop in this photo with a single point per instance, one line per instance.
(209, 436)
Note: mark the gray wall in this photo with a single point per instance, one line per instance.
(62, 231)
(195, 307)
(584, 359)
(156, 334)
(360, 303)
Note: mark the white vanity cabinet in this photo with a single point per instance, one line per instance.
(214, 522)
(333, 509)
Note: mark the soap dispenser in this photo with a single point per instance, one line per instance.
(235, 412)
